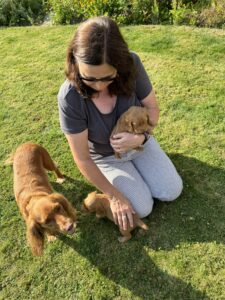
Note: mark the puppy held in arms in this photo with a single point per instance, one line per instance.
(135, 120)
(99, 203)
(45, 212)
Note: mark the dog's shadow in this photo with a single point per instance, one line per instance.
(197, 216)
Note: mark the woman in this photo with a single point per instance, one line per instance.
(104, 79)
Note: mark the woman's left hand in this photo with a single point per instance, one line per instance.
(124, 141)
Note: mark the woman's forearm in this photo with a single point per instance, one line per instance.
(154, 115)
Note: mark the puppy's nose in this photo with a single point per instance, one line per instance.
(69, 228)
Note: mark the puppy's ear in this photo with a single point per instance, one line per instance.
(128, 126)
(35, 237)
(100, 209)
(84, 209)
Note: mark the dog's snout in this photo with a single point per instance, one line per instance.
(70, 228)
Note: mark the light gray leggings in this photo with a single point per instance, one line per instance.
(143, 175)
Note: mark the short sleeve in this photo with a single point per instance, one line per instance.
(143, 83)
(72, 116)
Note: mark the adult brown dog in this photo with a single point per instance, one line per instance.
(99, 203)
(135, 120)
(45, 212)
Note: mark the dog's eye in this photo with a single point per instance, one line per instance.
(48, 221)
(58, 208)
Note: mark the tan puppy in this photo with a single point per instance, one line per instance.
(99, 203)
(135, 120)
(45, 212)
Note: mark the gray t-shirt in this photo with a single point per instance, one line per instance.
(77, 114)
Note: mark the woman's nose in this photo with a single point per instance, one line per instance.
(100, 85)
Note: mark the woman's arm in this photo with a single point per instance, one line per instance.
(119, 204)
(150, 102)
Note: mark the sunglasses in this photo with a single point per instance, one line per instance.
(104, 79)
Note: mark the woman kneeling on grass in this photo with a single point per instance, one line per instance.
(104, 79)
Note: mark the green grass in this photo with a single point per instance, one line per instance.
(182, 255)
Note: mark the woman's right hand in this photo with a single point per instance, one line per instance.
(122, 212)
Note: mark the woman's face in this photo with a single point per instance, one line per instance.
(97, 77)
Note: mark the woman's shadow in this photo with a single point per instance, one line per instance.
(197, 216)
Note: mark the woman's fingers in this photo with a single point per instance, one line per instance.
(115, 218)
(120, 220)
(122, 214)
(130, 219)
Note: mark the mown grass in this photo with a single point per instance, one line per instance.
(182, 256)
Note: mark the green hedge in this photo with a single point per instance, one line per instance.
(21, 12)
(124, 12)
(210, 13)
(203, 13)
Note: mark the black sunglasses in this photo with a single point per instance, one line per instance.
(104, 79)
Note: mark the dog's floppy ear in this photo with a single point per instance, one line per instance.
(70, 210)
(128, 125)
(35, 237)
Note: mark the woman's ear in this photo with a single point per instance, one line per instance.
(35, 237)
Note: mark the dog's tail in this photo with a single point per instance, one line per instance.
(9, 160)
(142, 225)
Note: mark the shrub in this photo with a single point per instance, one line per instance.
(182, 15)
(208, 13)
(213, 16)
(21, 12)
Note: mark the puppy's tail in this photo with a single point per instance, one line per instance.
(9, 160)
(142, 225)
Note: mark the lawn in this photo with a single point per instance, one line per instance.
(183, 254)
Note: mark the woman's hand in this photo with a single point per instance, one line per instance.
(124, 141)
(122, 212)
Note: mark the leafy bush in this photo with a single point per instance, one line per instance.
(124, 12)
(207, 13)
(210, 13)
(213, 16)
(21, 12)
(182, 14)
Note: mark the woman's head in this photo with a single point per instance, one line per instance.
(99, 57)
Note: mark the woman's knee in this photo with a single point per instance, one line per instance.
(172, 192)
(144, 207)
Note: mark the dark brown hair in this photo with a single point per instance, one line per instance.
(98, 41)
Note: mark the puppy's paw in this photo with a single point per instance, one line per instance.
(51, 238)
(123, 239)
(60, 180)
(98, 216)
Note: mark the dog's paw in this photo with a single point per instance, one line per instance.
(123, 239)
(51, 238)
(60, 180)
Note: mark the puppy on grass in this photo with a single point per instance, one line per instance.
(99, 203)
(45, 212)
(135, 120)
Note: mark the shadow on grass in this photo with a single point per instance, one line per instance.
(197, 216)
